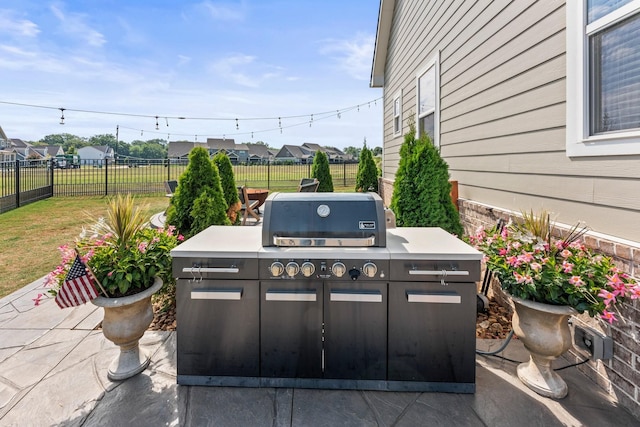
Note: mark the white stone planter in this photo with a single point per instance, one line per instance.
(125, 321)
(544, 331)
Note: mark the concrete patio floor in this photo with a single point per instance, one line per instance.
(53, 371)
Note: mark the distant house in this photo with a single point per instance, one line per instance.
(52, 151)
(259, 154)
(295, 154)
(237, 153)
(4, 141)
(95, 153)
(181, 149)
(333, 154)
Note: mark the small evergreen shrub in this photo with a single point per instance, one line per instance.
(200, 181)
(320, 170)
(421, 191)
(367, 176)
(229, 188)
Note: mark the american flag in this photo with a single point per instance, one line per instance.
(78, 287)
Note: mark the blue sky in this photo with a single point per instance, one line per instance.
(208, 61)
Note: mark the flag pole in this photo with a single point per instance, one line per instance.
(93, 276)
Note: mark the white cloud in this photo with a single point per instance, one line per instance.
(20, 27)
(74, 24)
(352, 56)
(224, 12)
(244, 70)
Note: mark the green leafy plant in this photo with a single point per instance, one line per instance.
(123, 253)
(422, 191)
(199, 181)
(228, 184)
(554, 271)
(367, 176)
(320, 170)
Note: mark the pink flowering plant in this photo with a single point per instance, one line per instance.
(554, 271)
(122, 251)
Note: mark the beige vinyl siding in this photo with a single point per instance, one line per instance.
(503, 110)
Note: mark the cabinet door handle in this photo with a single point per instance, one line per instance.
(274, 295)
(218, 294)
(356, 296)
(211, 270)
(434, 298)
(438, 273)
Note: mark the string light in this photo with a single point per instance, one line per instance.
(311, 118)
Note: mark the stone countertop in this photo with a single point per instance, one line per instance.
(424, 243)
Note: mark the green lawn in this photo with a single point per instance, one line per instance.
(31, 234)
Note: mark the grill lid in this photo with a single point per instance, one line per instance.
(324, 219)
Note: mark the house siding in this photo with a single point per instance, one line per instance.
(503, 134)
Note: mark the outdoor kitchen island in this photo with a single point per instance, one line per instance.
(385, 312)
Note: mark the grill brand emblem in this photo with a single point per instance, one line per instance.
(323, 211)
(367, 225)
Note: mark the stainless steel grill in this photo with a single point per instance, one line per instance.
(324, 296)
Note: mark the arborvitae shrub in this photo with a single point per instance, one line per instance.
(367, 176)
(228, 182)
(320, 170)
(200, 181)
(421, 191)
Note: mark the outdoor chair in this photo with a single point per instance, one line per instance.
(170, 187)
(248, 206)
(308, 185)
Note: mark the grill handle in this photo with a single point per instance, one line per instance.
(217, 294)
(438, 273)
(356, 296)
(331, 242)
(193, 270)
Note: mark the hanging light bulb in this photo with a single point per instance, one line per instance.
(311, 121)
(141, 132)
(167, 120)
(196, 138)
(251, 135)
(157, 127)
(61, 115)
(338, 111)
(237, 125)
(358, 108)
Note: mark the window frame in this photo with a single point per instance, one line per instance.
(397, 98)
(578, 140)
(434, 62)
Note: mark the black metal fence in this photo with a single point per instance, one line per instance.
(23, 182)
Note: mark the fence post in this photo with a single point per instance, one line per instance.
(269, 175)
(106, 177)
(51, 165)
(309, 170)
(344, 173)
(17, 183)
(168, 170)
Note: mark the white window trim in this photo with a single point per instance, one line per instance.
(578, 142)
(398, 97)
(434, 61)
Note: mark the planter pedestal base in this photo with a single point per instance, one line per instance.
(539, 376)
(131, 361)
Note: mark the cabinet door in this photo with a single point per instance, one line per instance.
(432, 332)
(355, 317)
(291, 329)
(218, 327)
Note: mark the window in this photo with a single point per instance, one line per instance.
(603, 77)
(397, 114)
(428, 101)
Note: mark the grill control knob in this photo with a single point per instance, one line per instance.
(276, 268)
(369, 269)
(292, 268)
(338, 269)
(307, 269)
